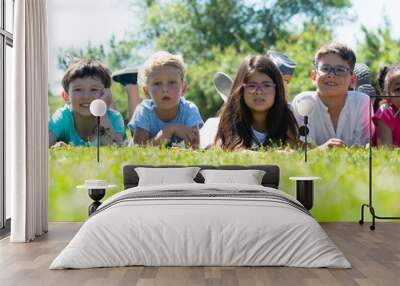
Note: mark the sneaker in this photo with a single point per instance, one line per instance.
(126, 76)
(363, 74)
(223, 85)
(284, 64)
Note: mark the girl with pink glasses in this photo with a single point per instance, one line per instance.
(256, 113)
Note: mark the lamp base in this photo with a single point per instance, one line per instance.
(96, 195)
(374, 216)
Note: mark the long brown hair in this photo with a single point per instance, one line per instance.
(234, 130)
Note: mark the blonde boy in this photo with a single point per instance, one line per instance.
(166, 117)
(340, 117)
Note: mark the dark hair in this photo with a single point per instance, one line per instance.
(86, 68)
(381, 79)
(234, 130)
(385, 75)
(388, 75)
(343, 51)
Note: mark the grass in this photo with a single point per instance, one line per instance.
(338, 195)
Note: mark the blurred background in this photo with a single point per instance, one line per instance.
(215, 35)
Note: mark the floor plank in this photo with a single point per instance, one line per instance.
(374, 255)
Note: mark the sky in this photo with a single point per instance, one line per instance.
(73, 23)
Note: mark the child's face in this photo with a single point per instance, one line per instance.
(165, 87)
(82, 91)
(394, 90)
(259, 92)
(332, 76)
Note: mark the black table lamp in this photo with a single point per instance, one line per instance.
(98, 108)
(305, 107)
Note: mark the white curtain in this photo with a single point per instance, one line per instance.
(26, 121)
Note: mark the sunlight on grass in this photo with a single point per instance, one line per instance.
(338, 195)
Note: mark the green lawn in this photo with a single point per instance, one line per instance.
(338, 195)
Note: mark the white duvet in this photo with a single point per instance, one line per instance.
(200, 231)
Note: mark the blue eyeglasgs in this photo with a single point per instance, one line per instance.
(341, 71)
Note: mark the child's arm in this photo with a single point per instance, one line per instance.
(109, 136)
(142, 136)
(189, 135)
(54, 143)
(332, 142)
(133, 98)
(385, 137)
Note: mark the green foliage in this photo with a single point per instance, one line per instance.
(200, 79)
(54, 102)
(378, 49)
(338, 195)
(192, 27)
(115, 55)
(215, 36)
(301, 48)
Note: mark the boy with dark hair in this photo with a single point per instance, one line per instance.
(340, 117)
(83, 82)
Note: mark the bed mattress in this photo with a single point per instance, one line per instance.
(201, 225)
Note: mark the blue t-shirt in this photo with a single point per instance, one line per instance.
(258, 137)
(145, 117)
(62, 126)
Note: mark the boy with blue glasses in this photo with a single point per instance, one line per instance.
(340, 117)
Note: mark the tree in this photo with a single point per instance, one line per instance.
(301, 48)
(378, 49)
(215, 35)
(191, 27)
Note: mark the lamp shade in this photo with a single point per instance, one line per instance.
(305, 107)
(98, 107)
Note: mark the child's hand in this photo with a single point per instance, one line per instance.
(59, 144)
(189, 135)
(196, 140)
(109, 136)
(333, 142)
(107, 96)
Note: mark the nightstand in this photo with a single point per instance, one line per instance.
(96, 193)
(305, 190)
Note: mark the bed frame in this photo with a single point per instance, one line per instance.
(270, 179)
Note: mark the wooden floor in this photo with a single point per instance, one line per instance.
(374, 255)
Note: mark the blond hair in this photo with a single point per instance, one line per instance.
(161, 59)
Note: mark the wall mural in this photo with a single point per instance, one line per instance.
(142, 84)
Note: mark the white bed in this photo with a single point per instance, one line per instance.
(223, 225)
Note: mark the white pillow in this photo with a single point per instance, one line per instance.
(164, 176)
(248, 177)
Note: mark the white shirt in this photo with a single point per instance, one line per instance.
(208, 132)
(352, 125)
